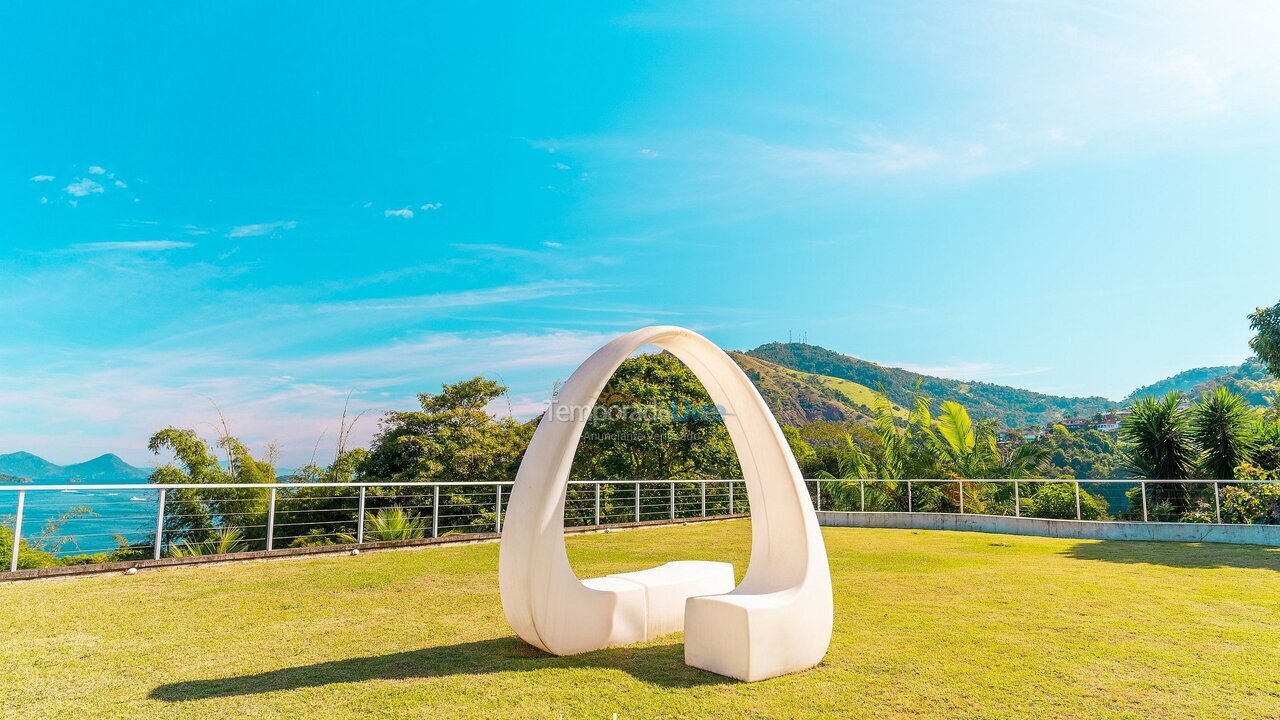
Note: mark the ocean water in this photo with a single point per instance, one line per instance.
(100, 515)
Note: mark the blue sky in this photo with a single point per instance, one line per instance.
(273, 205)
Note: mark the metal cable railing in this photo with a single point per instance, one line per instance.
(83, 523)
(1175, 500)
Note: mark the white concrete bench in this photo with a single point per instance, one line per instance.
(667, 587)
(777, 621)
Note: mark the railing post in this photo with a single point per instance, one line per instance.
(1144, 501)
(817, 492)
(1217, 503)
(910, 505)
(961, 497)
(360, 518)
(159, 543)
(597, 502)
(1017, 500)
(637, 502)
(702, 494)
(497, 510)
(1077, 499)
(730, 497)
(271, 519)
(673, 501)
(17, 531)
(862, 495)
(435, 511)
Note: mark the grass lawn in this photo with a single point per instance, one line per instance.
(928, 624)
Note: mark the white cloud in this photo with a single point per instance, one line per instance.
(82, 187)
(280, 362)
(561, 166)
(970, 370)
(552, 244)
(119, 184)
(405, 213)
(432, 206)
(646, 152)
(96, 170)
(44, 201)
(131, 246)
(41, 178)
(260, 229)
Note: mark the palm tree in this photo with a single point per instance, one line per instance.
(222, 542)
(392, 523)
(962, 448)
(1222, 424)
(1160, 446)
(1160, 443)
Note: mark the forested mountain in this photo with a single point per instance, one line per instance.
(1249, 379)
(1013, 407)
(1185, 382)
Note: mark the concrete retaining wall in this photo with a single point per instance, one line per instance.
(1074, 529)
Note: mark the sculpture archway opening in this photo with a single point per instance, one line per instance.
(652, 424)
(778, 620)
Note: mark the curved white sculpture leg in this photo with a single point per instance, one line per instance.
(777, 621)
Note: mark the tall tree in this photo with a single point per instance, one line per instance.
(453, 438)
(654, 420)
(195, 515)
(1266, 344)
(1222, 425)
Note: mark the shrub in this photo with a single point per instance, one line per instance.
(1058, 501)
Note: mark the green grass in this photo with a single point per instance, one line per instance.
(860, 394)
(928, 624)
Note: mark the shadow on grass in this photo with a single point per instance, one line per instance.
(1180, 555)
(661, 665)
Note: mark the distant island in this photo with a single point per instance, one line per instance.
(25, 467)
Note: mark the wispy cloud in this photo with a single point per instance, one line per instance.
(970, 370)
(96, 170)
(431, 206)
(131, 246)
(288, 400)
(546, 254)
(42, 178)
(260, 229)
(404, 213)
(174, 331)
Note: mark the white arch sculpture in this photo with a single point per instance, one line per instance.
(777, 621)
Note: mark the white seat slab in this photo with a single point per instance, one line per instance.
(668, 586)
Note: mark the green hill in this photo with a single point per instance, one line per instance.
(797, 397)
(1249, 379)
(1013, 407)
(1185, 382)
